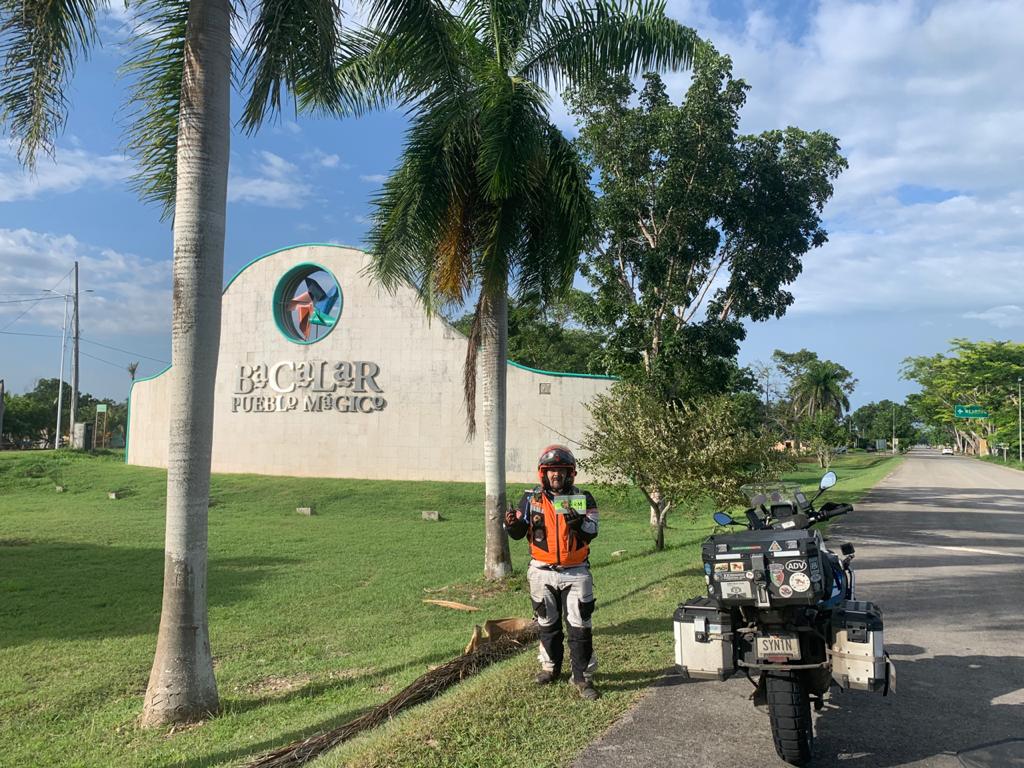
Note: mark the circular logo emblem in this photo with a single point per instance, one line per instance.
(307, 303)
(799, 582)
(786, 591)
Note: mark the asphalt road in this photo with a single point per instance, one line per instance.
(940, 547)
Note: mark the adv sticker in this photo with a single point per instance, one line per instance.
(796, 565)
(799, 582)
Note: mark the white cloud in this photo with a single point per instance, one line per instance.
(1007, 316)
(70, 171)
(330, 161)
(276, 183)
(130, 294)
(921, 95)
(374, 178)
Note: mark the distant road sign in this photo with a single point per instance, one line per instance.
(101, 408)
(969, 412)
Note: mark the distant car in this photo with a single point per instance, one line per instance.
(947, 451)
(869, 448)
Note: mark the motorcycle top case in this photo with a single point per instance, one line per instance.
(766, 568)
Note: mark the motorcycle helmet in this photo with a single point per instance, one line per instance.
(555, 456)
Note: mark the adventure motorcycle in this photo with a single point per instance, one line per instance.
(782, 605)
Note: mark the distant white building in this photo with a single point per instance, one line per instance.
(323, 373)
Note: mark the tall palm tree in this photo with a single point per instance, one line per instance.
(819, 388)
(180, 135)
(489, 195)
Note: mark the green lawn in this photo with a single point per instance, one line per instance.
(1011, 460)
(313, 620)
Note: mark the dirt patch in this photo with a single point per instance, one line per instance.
(276, 685)
(473, 590)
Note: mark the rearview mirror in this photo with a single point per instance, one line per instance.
(827, 480)
(723, 519)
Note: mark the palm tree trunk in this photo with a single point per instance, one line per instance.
(181, 684)
(494, 365)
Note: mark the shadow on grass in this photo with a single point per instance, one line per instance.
(69, 590)
(310, 691)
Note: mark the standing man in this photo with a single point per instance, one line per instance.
(560, 521)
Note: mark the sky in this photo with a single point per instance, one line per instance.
(924, 228)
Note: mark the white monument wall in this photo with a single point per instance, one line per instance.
(418, 432)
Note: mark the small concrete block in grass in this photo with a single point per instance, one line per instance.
(307, 511)
(59, 488)
(113, 495)
(431, 515)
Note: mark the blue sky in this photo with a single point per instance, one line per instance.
(925, 226)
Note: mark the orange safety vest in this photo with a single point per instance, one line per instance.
(551, 540)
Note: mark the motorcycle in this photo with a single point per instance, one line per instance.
(781, 605)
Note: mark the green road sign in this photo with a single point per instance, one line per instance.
(102, 408)
(969, 412)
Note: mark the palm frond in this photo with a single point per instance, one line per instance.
(558, 221)
(155, 71)
(292, 45)
(589, 39)
(513, 115)
(39, 43)
(415, 207)
(422, 43)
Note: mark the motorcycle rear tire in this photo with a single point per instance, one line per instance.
(789, 709)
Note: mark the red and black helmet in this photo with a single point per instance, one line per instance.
(555, 456)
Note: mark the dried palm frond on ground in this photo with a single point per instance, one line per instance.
(498, 641)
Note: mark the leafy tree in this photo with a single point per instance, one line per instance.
(678, 455)
(820, 389)
(885, 418)
(26, 420)
(699, 227)
(824, 433)
(982, 373)
(489, 196)
(545, 337)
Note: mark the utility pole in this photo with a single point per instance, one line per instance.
(1020, 445)
(60, 381)
(74, 359)
(894, 429)
(1, 414)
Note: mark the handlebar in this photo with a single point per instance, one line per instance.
(832, 509)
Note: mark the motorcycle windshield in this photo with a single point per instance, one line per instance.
(772, 493)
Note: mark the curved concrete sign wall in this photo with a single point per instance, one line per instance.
(323, 373)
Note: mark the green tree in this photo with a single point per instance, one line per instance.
(678, 455)
(982, 373)
(885, 419)
(180, 135)
(823, 433)
(699, 226)
(489, 195)
(545, 337)
(27, 420)
(820, 388)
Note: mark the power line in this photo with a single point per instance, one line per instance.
(23, 301)
(27, 310)
(126, 351)
(100, 359)
(38, 335)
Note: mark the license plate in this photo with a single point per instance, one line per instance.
(778, 646)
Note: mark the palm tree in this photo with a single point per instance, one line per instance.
(489, 195)
(133, 366)
(819, 388)
(180, 135)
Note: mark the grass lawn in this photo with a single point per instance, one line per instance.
(1011, 460)
(313, 619)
